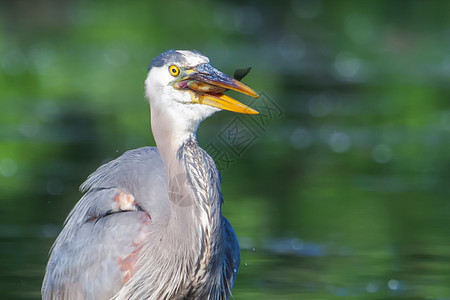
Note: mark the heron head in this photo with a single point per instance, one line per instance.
(186, 82)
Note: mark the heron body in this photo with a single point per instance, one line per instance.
(149, 225)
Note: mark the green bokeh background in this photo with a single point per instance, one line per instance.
(344, 192)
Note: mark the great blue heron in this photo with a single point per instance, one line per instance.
(149, 225)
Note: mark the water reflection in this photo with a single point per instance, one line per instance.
(295, 268)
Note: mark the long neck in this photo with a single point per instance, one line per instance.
(187, 250)
(194, 193)
(194, 184)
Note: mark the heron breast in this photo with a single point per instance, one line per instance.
(128, 263)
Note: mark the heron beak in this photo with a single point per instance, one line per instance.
(208, 84)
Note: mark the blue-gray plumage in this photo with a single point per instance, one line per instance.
(149, 225)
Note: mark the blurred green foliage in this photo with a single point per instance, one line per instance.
(345, 194)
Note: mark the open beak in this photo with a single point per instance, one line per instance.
(207, 86)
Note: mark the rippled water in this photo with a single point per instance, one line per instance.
(286, 268)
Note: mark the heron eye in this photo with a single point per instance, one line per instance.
(174, 71)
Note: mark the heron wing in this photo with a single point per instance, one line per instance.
(97, 260)
(232, 254)
(95, 252)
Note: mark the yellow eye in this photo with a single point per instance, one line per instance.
(173, 70)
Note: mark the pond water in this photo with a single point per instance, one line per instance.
(283, 268)
(338, 189)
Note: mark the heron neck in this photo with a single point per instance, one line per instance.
(192, 174)
(193, 181)
(189, 243)
(170, 132)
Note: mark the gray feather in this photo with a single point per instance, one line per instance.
(86, 253)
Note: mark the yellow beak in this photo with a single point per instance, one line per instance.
(225, 102)
(207, 86)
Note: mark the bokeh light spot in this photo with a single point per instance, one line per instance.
(382, 153)
(347, 65)
(8, 167)
(339, 142)
(301, 138)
